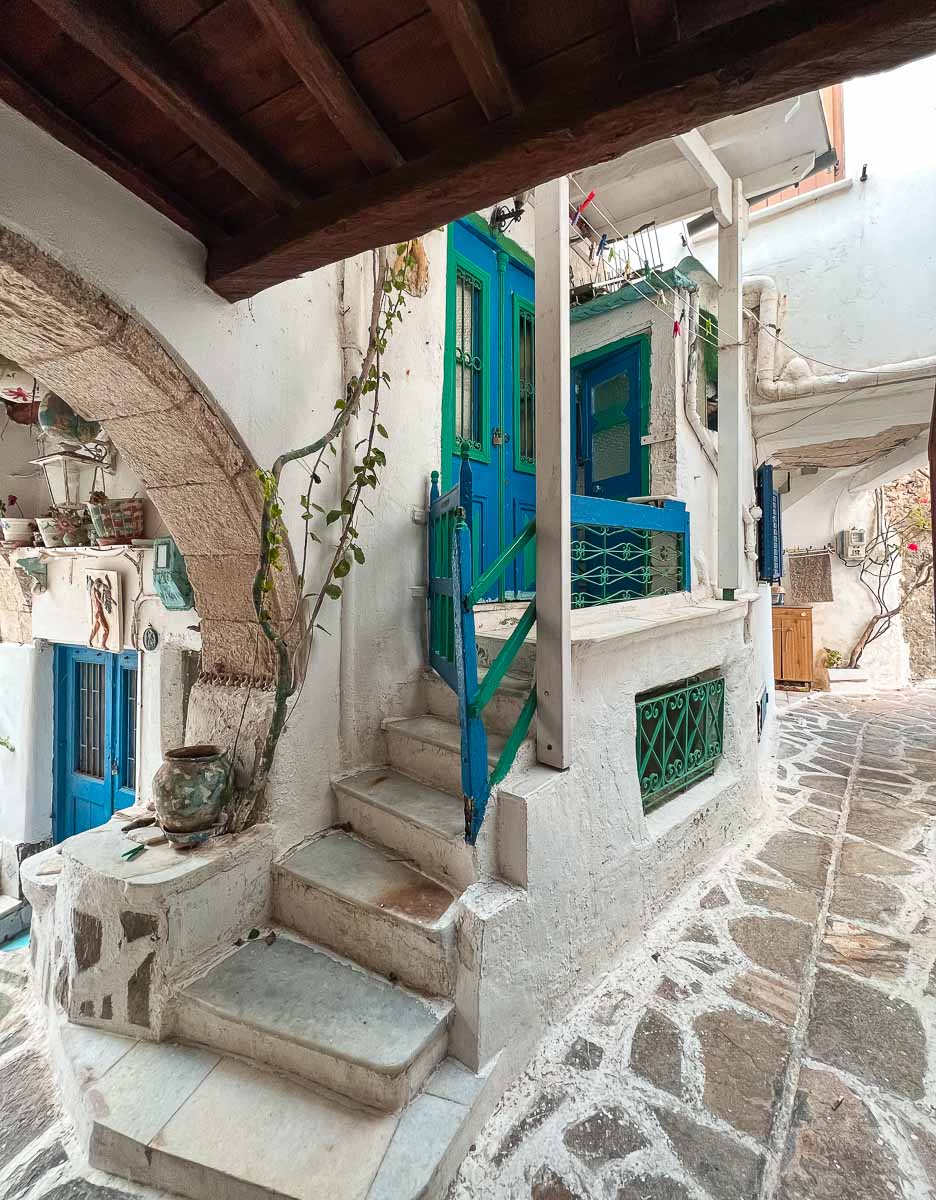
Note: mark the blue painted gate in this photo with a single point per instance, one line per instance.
(489, 395)
(95, 737)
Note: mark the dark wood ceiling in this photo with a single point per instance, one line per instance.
(287, 134)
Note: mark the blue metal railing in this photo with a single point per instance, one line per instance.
(620, 551)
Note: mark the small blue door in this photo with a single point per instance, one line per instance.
(610, 417)
(95, 737)
(489, 398)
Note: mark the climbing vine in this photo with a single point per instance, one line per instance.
(292, 635)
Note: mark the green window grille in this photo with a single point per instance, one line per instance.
(680, 736)
(469, 364)
(610, 564)
(525, 386)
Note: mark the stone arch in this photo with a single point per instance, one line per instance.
(199, 475)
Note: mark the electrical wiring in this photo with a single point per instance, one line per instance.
(808, 357)
(815, 413)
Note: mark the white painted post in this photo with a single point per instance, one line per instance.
(553, 477)
(730, 398)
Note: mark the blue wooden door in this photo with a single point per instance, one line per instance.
(488, 400)
(95, 737)
(610, 415)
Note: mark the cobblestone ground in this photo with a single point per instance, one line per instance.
(38, 1149)
(776, 1038)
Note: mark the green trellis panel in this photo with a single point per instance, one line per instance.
(680, 736)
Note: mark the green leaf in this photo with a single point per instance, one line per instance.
(333, 516)
(381, 430)
(358, 554)
(317, 507)
(342, 568)
(347, 507)
(322, 627)
(332, 591)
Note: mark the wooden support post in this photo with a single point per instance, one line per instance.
(731, 492)
(553, 477)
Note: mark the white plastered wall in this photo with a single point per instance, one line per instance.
(811, 524)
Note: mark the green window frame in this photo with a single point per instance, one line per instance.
(460, 367)
(524, 385)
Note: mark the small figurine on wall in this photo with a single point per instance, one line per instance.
(104, 596)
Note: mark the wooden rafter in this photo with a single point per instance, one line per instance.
(469, 35)
(655, 24)
(771, 55)
(112, 36)
(21, 95)
(300, 40)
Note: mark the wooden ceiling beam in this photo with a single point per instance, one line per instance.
(655, 24)
(777, 53)
(468, 33)
(302, 44)
(20, 94)
(115, 38)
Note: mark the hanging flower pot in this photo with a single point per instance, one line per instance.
(190, 790)
(116, 522)
(58, 419)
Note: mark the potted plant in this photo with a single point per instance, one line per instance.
(17, 531)
(66, 525)
(841, 678)
(116, 521)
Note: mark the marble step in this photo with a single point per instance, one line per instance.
(501, 711)
(429, 749)
(365, 902)
(195, 1123)
(301, 1009)
(489, 645)
(412, 818)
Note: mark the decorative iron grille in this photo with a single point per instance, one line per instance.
(680, 735)
(611, 564)
(469, 325)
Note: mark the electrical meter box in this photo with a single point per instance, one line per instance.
(170, 577)
(852, 544)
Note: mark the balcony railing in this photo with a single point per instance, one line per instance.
(680, 736)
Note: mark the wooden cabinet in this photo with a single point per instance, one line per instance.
(793, 645)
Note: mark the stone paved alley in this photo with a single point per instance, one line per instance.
(776, 1039)
(772, 1041)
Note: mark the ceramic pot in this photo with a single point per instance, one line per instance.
(117, 522)
(190, 789)
(74, 524)
(19, 530)
(57, 418)
(51, 534)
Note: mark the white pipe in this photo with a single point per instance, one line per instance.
(760, 291)
(690, 373)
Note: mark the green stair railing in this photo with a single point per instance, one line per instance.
(453, 647)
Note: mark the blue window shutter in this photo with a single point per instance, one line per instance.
(770, 536)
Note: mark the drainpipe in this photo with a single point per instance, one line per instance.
(692, 366)
(761, 291)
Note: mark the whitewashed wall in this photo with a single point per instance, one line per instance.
(811, 524)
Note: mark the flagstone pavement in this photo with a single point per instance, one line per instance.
(771, 1040)
(776, 1039)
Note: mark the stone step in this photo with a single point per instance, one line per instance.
(14, 918)
(412, 818)
(489, 645)
(365, 902)
(301, 1009)
(501, 712)
(190, 1122)
(429, 749)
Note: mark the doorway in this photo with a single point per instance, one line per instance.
(611, 399)
(95, 737)
(488, 400)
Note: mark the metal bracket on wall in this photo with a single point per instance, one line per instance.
(651, 439)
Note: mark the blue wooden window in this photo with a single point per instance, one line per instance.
(770, 534)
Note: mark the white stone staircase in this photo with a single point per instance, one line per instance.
(350, 991)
